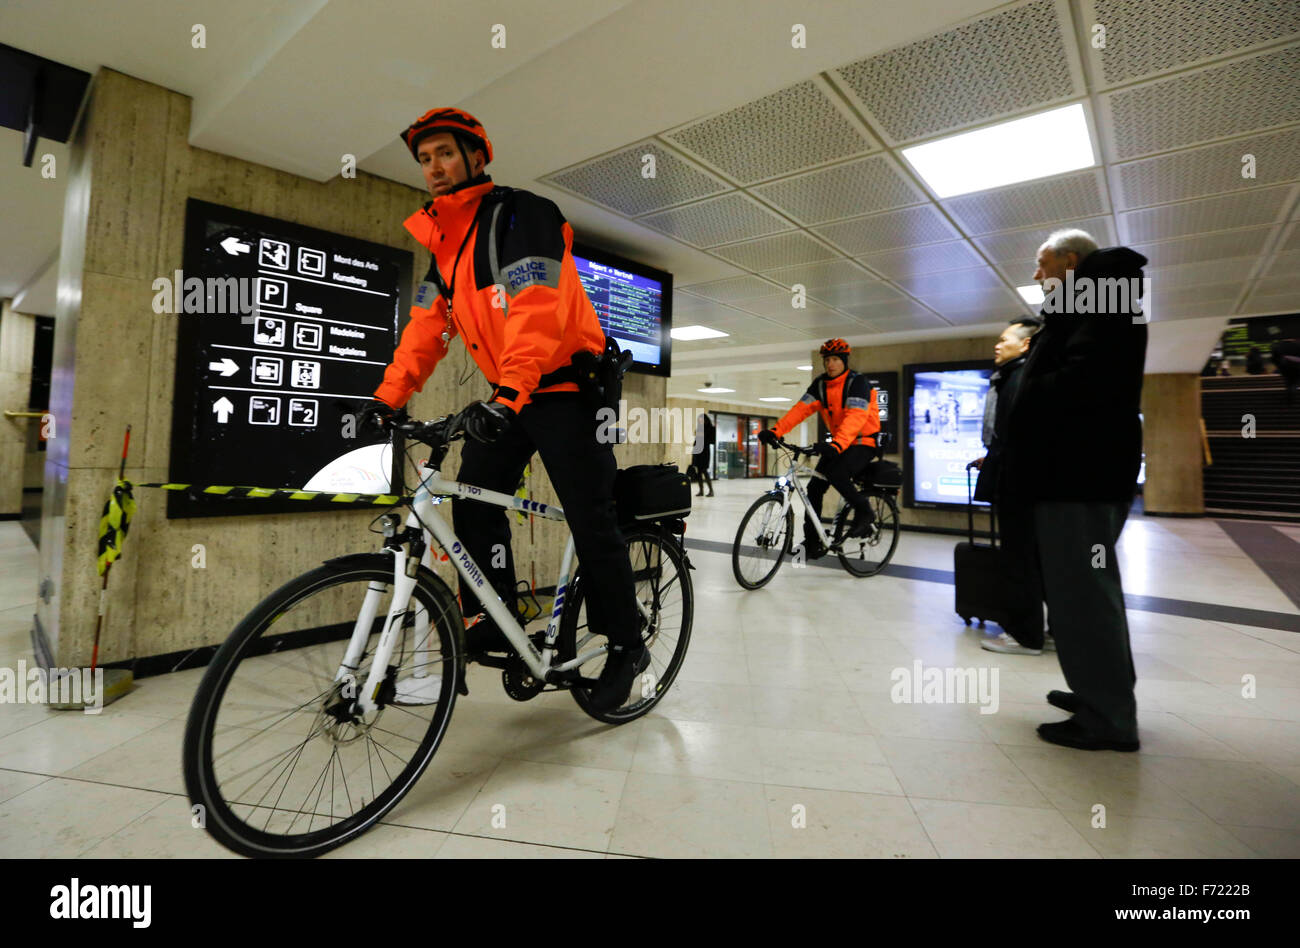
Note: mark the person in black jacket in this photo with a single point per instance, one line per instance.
(1024, 632)
(1073, 449)
(705, 436)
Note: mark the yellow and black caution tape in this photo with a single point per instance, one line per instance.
(114, 522)
(281, 493)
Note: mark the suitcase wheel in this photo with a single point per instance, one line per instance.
(981, 623)
(966, 619)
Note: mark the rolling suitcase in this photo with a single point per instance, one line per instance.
(980, 573)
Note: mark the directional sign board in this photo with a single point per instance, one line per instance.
(284, 329)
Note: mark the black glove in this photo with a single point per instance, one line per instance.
(768, 437)
(485, 421)
(376, 415)
(827, 449)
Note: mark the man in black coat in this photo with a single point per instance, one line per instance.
(1073, 450)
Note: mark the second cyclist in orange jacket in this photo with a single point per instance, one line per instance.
(847, 403)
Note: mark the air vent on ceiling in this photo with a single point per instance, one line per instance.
(859, 187)
(1212, 169)
(616, 181)
(719, 220)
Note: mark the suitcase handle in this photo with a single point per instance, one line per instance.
(970, 514)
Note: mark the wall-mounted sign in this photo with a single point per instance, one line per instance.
(283, 329)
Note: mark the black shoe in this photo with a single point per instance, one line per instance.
(813, 550)
(1065, 700)
(614, 686)
(1069, 734)
(484, 636)
(864, 518)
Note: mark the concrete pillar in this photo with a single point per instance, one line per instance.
(1171, 409)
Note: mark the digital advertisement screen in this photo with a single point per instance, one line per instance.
(945, 416)
(633, 303)
(280, 327)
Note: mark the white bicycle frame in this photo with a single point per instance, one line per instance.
(796, 465)
(432, 490)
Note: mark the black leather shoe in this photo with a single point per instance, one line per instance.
(864, 518)
(614, 685)
(1065, 700)
(1069, 734)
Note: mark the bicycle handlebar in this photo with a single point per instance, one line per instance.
(796, 449)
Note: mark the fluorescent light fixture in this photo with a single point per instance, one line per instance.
(689, 333)
(1034, 147)
(804, 368)
(714, 390)
(1031, 294)
(775, 398)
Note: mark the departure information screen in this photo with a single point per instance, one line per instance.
(282, 329)
(629, 301)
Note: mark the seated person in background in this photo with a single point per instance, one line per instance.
(847, 403)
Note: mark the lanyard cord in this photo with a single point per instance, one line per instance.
(449, 292)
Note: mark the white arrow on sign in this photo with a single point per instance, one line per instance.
(227, 367)
(235, 246)
(223, 408)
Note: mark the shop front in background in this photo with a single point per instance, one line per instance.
(737, 452)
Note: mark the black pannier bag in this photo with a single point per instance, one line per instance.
(885, 474)
(651, 492)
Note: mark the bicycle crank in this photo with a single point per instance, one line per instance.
(519, 682)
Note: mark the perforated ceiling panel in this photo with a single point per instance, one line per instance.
(1019, 248)
(817, 277)
(1232, 243)
(952, 282)
(1067, 197)
(1288, 302)
(1211, 169)
(1243, 96)
(1285, 266)
(859, 187)
(1144, 38)
(781, 133)
(616, 181)
(905, 228)
(770, 252)
(950, 255)
(1262, 206)
(1291, 241)
(993, 302)
(735, 288)
(719, 220)
(1227, 270)
(859, 294)
(1165, 296)
(1001, 64)
(920, 319)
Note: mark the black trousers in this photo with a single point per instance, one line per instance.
(1024, 576)
(699, 473)
(1085, 598)
(561, 428)
(839, 472)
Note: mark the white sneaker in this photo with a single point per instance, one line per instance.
(1005, 643)
(1049, 642)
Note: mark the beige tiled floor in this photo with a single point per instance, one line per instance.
(779, 738)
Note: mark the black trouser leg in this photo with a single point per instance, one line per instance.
(485, 530)
(582, 471)
(816, 492)
(1024, 579)
(1076, 544)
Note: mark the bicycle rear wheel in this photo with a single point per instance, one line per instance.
(762, 541)
(866, 556)
(663, 587)
(272, 746)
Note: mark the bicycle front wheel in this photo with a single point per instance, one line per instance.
(276, 755)
(662, 579)
(762, 541)
(867, 556)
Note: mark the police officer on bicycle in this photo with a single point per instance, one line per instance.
(847, 403)
(503, 278)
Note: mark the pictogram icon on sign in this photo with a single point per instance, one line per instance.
(273, 253)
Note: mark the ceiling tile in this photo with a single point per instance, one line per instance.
(817, 277)
(615, 181)
(994, 303)
(1018, 249)
(876, 312)
(1230, 211)
(921, 319)
(859, 294)
(1146, 38)
(1163, 295)
(1065, 197)
(1210, 169)
(1273, 286)
(1291, 242)
(1009, 62)
(734, 288)
(859, 187)
(1238, 97)
(1226, 270)
(1231, 243)
(769, 252)
(1197, 310)
(952, 282)
(719, 220)
(905, 228)
(932, 258)
(1288, 302)
(787, 131)
(1283, 265)
(784, 311)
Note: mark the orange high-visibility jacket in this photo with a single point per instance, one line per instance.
(846, 403)
(518, 301)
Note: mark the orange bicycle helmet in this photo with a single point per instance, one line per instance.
(460, 123)
(835, 347)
